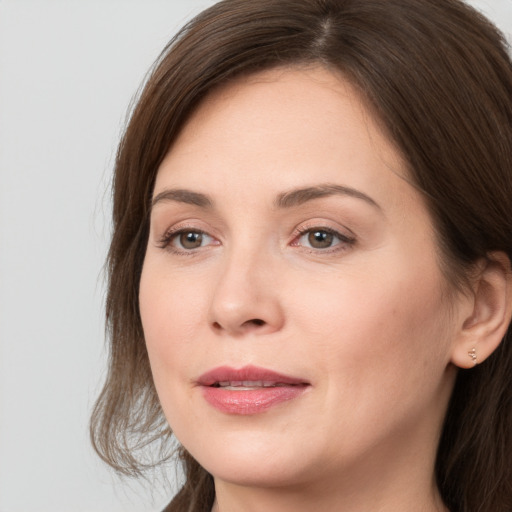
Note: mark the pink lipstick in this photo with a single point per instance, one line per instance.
(248, 390)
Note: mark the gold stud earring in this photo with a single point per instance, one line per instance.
(472, 354)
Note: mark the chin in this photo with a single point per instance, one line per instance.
(252, 471)
(255, 460)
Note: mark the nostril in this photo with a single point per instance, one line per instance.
(248, 324)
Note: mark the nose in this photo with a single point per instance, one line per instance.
(246, 297)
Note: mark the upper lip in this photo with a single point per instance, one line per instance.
(247, 373)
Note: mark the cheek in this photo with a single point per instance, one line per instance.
(171, 312)
(382, 327)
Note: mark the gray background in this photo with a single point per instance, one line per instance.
(68, 69)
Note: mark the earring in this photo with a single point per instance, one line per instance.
(472, 354)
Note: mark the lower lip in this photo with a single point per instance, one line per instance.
(250, 401)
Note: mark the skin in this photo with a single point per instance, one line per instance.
(366, 321)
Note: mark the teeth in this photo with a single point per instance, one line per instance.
(247, 384)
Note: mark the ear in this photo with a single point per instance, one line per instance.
(487, 316)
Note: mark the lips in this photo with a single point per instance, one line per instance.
(248, 390)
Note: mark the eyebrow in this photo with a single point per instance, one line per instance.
(183, 196)
(289, 199)
(300, 196)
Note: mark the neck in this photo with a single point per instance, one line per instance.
(235, 498)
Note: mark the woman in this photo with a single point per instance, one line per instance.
(310, 283)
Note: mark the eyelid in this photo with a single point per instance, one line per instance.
(345, 239)
(324, 225)
(165, 240)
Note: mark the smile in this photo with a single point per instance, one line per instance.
(249, 390)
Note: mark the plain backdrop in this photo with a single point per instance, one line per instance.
(68, 70)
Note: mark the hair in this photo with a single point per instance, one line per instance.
(438, 77)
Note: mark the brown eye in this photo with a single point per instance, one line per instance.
(190, 239)
(319, 239)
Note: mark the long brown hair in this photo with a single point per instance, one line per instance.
(438, 77)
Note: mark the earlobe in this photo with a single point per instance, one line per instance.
(486, 324)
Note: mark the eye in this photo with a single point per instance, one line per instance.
(322, 238)
(186, 240)
(189, 239)
(319, 239)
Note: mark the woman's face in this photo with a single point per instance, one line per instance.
(294, 311)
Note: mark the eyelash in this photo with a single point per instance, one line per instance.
(169, 236)
(344, 241)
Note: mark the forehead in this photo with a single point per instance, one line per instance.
(280, 120)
